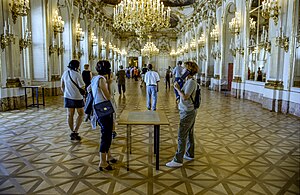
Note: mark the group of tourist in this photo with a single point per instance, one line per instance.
(72, 84)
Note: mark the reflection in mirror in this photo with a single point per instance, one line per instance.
(259, 45)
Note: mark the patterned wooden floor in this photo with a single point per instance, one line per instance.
(240, 149)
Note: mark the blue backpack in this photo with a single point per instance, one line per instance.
(197, 100)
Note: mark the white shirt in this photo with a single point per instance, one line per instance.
(71, 91)
(151, 78)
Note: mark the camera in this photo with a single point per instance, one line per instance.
(182, 78)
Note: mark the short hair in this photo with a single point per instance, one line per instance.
(150, 66)
(121, 67)
(74, 65)
(103, 67)
(192, 67)
(179, 63)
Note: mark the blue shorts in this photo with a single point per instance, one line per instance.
(69, 103)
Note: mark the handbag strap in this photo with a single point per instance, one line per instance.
(73, 81)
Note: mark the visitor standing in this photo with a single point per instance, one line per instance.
(121, 80)
(151, 80)
(177, 72)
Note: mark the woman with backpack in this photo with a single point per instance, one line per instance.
(187, 112)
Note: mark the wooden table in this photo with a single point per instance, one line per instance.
(36, 89)
(155, 118)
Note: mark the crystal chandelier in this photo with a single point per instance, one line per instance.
(149, 49)
(79, 33)
(58, 23)
(19, 8)
(234, 25)
(141, 16)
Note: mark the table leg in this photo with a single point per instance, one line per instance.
(127, 145)
(155, 139)
(25, 97)
(37, 96)
(43, 94)
(32, 91)
(157, 129)
(130, 139)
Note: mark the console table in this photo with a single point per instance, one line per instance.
(155, 118)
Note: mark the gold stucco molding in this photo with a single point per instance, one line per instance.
(277, 85)
(237, 79)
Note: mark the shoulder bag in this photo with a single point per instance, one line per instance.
(103, 108)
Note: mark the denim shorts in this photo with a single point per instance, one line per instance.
(69, 103)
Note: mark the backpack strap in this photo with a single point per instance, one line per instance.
(73, 81)
(193, 92)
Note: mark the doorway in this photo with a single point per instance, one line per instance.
(230, 75)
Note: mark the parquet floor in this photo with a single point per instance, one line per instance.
(240, 149)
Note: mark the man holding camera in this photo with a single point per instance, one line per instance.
(151, 80)
(188, 113)
(177, 72)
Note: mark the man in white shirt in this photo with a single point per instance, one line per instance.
(151, 80)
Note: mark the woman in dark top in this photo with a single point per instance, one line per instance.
(86, 76)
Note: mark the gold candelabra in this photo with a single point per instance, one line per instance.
(53, 49)
(215, 34)
(19, 8)
(141, 16)
(270, 8)
(79, 33)
(94, 39)
(26, 41)
(7, 37)
(193, 44)
(201, 41)
(252, 24)
(234, 24)
(58, 23)
(282, 40)
(173, 53)
(61, 49)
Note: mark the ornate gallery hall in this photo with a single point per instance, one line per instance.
(247, 129)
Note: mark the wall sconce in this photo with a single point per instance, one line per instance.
(26, 41)
(3, 41)
(52, 49)
(193, 44)
(58, 23)
(94, 40)
(215, 34)
(19, 8)
(201, 41)
(234, 25)
(270, 8)
(102, 42)
(7, 37)
(79, 33)
(123, 52)
(252, 26)
(173, 53)
(61, 49)
(215, 52)
(282, 41)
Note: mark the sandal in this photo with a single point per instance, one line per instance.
(113, 161)
(108, 168)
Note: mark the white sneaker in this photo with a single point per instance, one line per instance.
(187, 157)
(173, 164)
